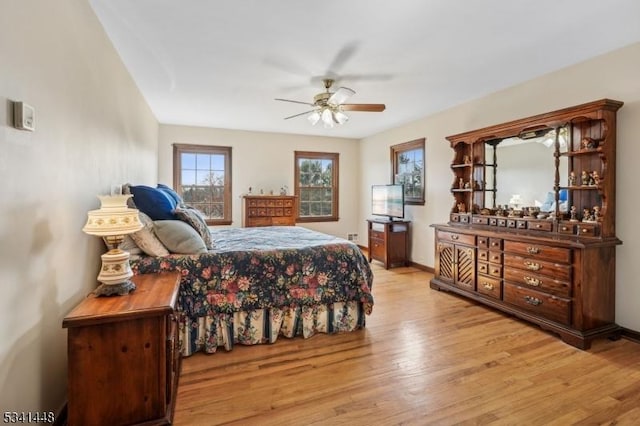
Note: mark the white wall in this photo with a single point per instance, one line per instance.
(613, 75)
(93, 128)
(266, 160)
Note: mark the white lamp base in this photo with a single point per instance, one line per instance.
(114, 274)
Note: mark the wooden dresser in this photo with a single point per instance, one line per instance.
(554, 267)
(123, 354)
(269, 210)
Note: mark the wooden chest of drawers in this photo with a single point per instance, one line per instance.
(269, 210)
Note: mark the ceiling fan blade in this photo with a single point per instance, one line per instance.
(298, 115)
(363, 107)
(295, 102)
(341, 95)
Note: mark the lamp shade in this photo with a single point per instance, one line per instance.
(113, 217)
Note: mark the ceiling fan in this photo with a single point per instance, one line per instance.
(329, 107)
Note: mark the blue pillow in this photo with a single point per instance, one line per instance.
(153, 202)
(172, 194)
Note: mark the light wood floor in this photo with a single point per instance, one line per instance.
(425, 357)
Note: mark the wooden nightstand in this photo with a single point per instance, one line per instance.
(124, 359)
(389, 241)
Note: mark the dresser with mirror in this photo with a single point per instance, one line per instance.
(531, 230)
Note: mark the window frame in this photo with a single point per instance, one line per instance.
(179, 149)
(396, 151)
(335, 184)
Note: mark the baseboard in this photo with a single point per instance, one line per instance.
(422, 267)
(632, 335)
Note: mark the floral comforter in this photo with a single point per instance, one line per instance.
(269, 272)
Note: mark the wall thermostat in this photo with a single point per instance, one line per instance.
(24, 116)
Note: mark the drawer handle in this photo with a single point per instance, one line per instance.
(495, 271)
(585, 230)
(533, 250)
(454, 237)
(532, 266)
(494, 244)
(538, 226)
(533, 281)
(487, 286)
(564, 228)
(532, 300)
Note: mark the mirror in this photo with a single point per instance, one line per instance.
(524, 171)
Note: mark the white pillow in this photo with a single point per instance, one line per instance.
(147, 240)
(179, 237)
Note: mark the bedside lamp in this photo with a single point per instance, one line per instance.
(112, 221)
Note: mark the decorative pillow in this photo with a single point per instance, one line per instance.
(194, 218)
(172, 194)
(153, 202)
(147, 240)
(179, 237)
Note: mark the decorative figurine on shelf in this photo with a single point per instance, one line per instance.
(596, 214)
(584, 178)
(586, 215)
(595, 178)
(283, 190)
(462, 208)
(477, 184)
(574, 214)
(589, 143)
(467, 185)
(249, 191)
(572, 178)
(466, 159)
(461, 183)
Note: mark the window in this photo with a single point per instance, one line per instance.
(202, 176)
(316, 185)
(407, 165)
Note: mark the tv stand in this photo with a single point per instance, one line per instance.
(389, 241)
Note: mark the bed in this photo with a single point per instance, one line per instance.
(257, 284)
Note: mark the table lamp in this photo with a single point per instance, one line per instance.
(112, 221)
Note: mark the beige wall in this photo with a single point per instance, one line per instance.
(93, 128)
(614, 75)
(265, 160)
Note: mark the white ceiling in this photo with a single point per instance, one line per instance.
(221, 63)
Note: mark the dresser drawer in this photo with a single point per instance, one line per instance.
(588, 230)
(378, 235)
(539, 282)
(539, 251)
(457, 238)
(540, 225)
(377, 248)
(541, 267)
(483, 255)
(259, 221)
(566, 228)
(282, 220)
(483, 242)
(495, 257)
(480, 220)
(490, 286)
(542, 304)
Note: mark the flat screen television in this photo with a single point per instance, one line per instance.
(387, 200)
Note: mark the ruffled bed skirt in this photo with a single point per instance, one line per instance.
(207, 333)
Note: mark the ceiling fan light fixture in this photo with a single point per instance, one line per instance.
(340, 117)
(327, 118)
(314, 118)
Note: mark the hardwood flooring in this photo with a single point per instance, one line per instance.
(425, 357)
